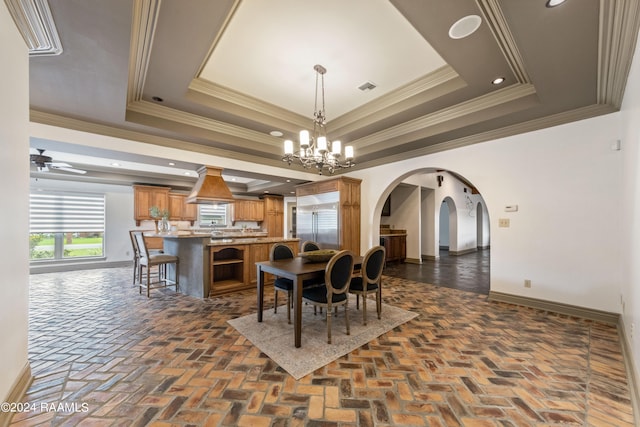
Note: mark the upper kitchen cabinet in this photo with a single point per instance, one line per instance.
(146, 196)
(274, 215)
(180, 210)
(348, 190)
(247, 210)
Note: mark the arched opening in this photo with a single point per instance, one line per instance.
(446, 223)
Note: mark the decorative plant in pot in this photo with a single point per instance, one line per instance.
(161, 218)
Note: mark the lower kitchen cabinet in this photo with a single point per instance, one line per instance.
(395, 247)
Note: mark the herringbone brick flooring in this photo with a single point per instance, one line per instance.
(102, 355)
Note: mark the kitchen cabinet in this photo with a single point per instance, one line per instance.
(146, 196)
(395, 246)
(274, 215)
(349, 210)
(247, 210)
(260, 252)
(180, 210)
(233, 266)
(229, 268)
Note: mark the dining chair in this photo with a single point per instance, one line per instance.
(280, 251)
(309, 245)
(148, 260)
(369, 281)
(334, 292)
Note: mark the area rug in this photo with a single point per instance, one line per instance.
(274, 336)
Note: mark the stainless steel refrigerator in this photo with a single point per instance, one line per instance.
(317, 219)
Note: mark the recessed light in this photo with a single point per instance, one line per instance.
(157, 99)
(498, 80)
(171, 164)
(115, 164)
(554, 3)
(187, 173)
(464, 27)
(276, 133)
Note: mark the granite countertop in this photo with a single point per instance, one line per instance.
(248, 241)
(393, 234)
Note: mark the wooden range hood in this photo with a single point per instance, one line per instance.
(210, 188)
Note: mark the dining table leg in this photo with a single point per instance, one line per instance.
(260, 284)
(297, 311)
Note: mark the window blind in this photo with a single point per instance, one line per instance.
(65, 212)
(212, 215)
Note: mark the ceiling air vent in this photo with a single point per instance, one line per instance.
(367, 86)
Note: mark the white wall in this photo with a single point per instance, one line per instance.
(630, 211)
(565, 237)
(405, 215)
(14, 203)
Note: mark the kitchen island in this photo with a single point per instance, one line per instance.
(211, 267)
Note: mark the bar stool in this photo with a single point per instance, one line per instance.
(160, 260)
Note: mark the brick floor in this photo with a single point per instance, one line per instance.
(102, 355)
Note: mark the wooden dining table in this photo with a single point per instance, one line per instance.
(298, 270)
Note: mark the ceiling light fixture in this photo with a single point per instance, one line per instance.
(315, 149)
(498, 80)
(554, 3)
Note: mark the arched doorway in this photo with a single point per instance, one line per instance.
(452, 226)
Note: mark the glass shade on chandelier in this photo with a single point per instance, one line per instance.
(315, 150)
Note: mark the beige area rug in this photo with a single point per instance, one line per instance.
(274, 336)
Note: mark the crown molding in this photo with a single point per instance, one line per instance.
(143, 27)
(397, 135)
(161, 116)
(441, 82)
(501, 31)
(507, 131)
(215, 96)
(126, 134)
(35, 23)
(619, 24)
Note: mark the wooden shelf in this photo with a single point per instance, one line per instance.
(227, 261)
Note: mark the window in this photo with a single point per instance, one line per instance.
(66, 225)
(213, 215)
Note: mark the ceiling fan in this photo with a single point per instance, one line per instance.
(44, 163)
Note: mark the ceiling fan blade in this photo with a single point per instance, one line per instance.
(59, 165)
(66, 169)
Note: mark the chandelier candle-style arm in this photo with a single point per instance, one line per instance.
(315, 149)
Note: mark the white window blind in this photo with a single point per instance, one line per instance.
(66, 212)
(212, 215)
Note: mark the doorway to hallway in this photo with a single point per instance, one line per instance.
(468, 272)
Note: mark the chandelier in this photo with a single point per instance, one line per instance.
(315, 149)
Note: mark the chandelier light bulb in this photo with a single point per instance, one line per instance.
(304, 138)
(322, 144)
(288, 146)
(336, 148)
(348, 152)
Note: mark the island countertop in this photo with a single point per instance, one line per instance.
(211, 267)
(249, 241)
